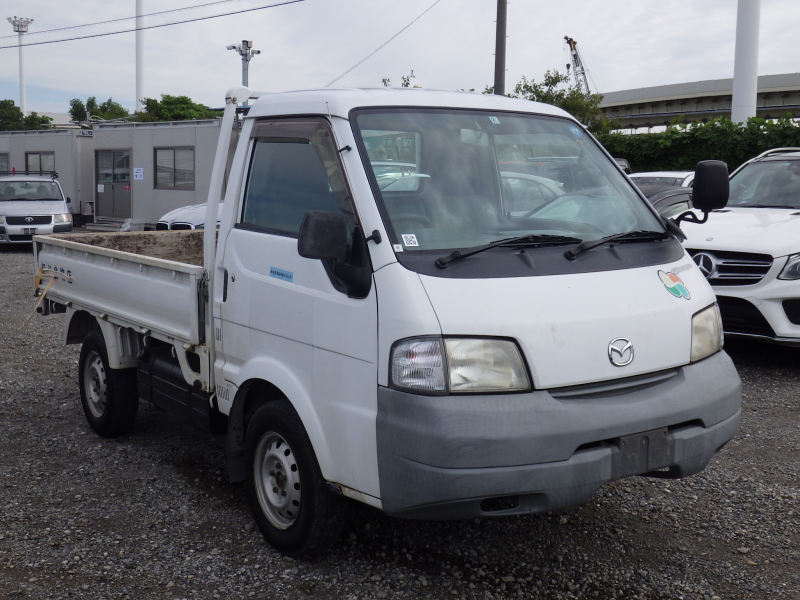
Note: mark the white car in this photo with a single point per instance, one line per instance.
(30, 205)
(185, 217)
(673, 178)
(750, 250)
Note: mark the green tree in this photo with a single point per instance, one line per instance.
(173, 108)
(106, 110)
(12, 119)
(555, 89)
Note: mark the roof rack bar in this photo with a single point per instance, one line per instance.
(777, 151)
(51, 174)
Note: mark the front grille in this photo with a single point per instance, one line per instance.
(731, 268)
(35, 220)
(162, 226)
(180, 226)
(792, 310)
(20, 238)
(740, 316)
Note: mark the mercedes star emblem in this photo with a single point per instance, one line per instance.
(620, 352)
(707, 264)
(29, 219)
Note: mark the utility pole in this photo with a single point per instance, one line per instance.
(500, 49)
(745, 65)
(21, 27)
(139, 55)
(245, 49)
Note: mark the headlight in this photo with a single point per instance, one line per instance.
(65, 218)
(2, 219)
(458, 365)
(792, 268)
(707, 334)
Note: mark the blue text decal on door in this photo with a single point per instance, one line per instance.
(281, 274)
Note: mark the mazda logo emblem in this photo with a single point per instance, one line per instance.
(620, 352)
(29, 219)
(707, 264)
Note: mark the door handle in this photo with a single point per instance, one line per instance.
(225, 285)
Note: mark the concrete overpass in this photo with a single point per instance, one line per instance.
(699, 101)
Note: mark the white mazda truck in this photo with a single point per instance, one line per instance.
(749, 251)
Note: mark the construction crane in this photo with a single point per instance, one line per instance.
(578, 70)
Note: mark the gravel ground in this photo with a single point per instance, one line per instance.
(151, 516)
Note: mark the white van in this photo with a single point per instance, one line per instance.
(435, 349)
(31, 204)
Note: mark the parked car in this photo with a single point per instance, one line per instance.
(185, 217)
(624, 165)
(32, 204)
(424, 352)
(672, 178)
(750, 250)
(667, 200)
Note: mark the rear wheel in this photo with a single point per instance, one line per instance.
(110, 397)
(295, 509)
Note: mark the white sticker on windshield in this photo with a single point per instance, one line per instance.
(495, 120)
(575, 131)
(397, 247)
(409, 239)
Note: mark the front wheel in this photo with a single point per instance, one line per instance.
(295, 509)
(110, 397)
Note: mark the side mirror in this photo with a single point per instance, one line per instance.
(323, 235)
(711, 185)
(69, 201)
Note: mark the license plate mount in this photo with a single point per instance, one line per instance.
(29, 230)
(646, 451)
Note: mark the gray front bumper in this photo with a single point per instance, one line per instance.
(456, 457)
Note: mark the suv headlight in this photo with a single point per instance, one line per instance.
(707, 334)
(435, 365)
(65, 218)
(792, 268)
(2, 219)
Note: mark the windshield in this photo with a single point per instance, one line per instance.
(449, 179)
(774, 183)
(29, 190)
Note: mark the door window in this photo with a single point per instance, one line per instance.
(294, 169)
(40, 161)
(3, 162)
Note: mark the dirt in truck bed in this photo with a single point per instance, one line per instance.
(179, 246)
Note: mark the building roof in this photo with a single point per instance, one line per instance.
(710, 87)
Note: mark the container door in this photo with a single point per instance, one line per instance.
(113, 185)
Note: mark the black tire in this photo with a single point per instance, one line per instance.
(110, 397)
(296, 510)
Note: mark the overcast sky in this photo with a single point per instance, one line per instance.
(625, 44)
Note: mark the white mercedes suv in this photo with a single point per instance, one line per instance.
(750, 250)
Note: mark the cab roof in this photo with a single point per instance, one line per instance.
(339, 102)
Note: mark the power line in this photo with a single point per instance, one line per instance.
(163, 12)
(84, 37)
(384, 44)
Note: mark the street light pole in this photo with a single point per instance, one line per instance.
(245, 49)
(500, 49)
(745, 64)
(21, 27)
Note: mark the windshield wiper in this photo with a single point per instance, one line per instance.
(534, 239)
(644, 235)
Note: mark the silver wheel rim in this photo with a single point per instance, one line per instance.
(95, 385)
(277, 479)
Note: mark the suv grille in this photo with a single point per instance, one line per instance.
(36, 220)
(740, 316)
(731, 268)
(180, 226)
(162, 226)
